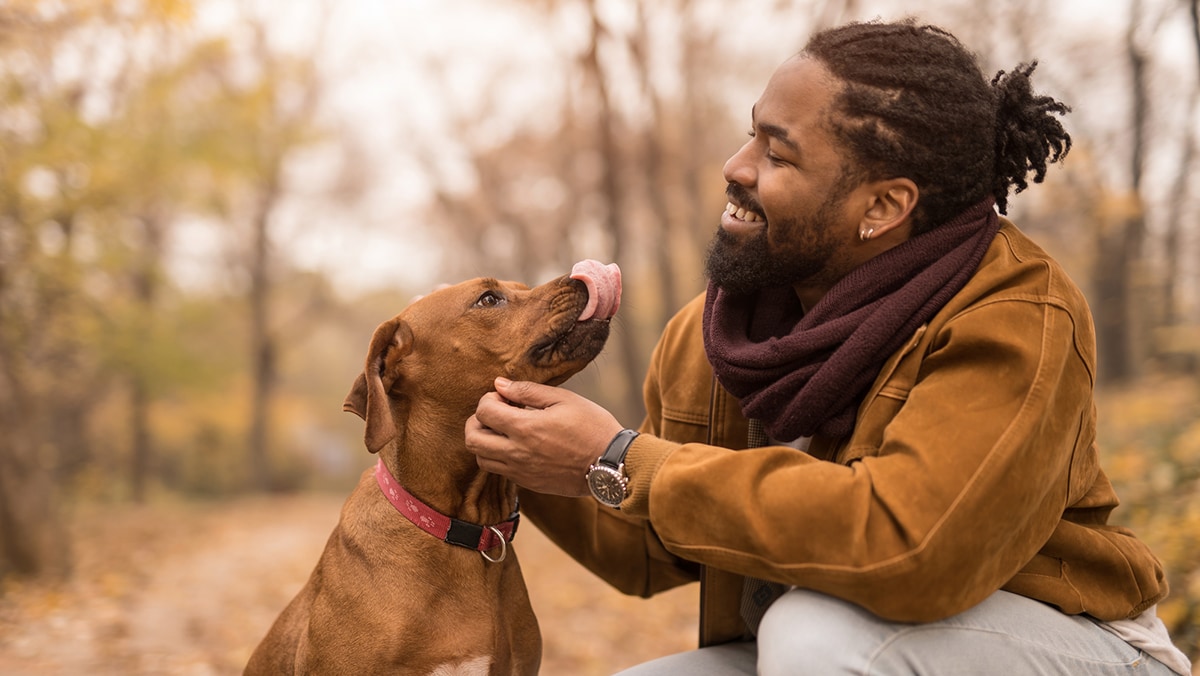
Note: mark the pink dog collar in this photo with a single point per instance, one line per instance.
(447, 529)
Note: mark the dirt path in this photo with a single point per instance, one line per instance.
(191, 588)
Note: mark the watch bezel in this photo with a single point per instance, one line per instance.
(603, 476)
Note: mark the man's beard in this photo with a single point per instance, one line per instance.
(744, 265)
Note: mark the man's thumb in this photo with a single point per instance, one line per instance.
(525, 393)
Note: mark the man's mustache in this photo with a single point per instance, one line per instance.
(738, 194)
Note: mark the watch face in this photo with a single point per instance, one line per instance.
(607, 486)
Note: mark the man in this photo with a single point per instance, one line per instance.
(909, 376)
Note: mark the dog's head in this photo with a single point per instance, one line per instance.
(443, 352)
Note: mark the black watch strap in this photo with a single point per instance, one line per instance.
(614, 455)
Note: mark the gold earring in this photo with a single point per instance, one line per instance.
(864, 235)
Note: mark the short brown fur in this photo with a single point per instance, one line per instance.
(386, 597)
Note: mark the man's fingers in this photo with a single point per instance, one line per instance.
(525, 393)
(540, 437)
(492, 466)
(488, 446)
(480, 437)
(495, 414)
(474, 427)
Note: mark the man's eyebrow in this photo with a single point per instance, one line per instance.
(778, 133)
(772, 130)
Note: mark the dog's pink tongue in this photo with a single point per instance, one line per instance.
(603, 286)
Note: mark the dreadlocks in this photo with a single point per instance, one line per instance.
(915, 104)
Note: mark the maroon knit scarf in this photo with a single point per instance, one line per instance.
(805, 374)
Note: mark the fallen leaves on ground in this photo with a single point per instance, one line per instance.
(190, 589)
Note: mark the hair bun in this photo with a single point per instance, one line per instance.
(1028, 135)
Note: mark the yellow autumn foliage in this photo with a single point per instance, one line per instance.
(1150, 444)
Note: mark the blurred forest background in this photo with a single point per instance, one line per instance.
(207, 206)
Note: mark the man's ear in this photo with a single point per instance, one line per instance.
(889, 208)
(368, 398)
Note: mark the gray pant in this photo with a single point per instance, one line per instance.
(1007, 635)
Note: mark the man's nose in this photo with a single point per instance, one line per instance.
(738, 168)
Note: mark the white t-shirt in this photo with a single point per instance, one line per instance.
(1148, 633)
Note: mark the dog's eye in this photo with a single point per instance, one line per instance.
(489, 299)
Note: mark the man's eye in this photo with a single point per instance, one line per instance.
(489, 299)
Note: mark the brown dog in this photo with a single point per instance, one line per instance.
(392, 593)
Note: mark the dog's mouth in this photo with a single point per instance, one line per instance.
(591, 297)
(603, 284)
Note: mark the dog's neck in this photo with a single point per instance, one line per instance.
(480, 537)
(444, 475)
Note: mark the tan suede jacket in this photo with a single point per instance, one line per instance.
(972, 467)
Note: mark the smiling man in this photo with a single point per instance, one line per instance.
(872, 440)
(799, 174)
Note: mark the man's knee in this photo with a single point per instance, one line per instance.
(809, 632)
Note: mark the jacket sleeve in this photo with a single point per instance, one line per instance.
(960, 479)
(624, 552)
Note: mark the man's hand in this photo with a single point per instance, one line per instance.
(541, 437)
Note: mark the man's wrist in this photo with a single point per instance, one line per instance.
(616, 450)
(607, 479)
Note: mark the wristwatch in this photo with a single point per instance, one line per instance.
(606, 478)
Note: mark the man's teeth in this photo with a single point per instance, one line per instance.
(739, 212)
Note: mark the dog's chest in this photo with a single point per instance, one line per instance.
(476, 666)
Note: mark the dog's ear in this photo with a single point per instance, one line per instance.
(368, 398)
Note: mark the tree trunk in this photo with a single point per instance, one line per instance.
(1120, 249)
(658, 184)
(1173, 237)
(1195, 16)
(33, 538)
(262, 343)
(606, 122)
(1113, 309)
(146, 278)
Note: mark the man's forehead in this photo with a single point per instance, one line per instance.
(800, 86)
